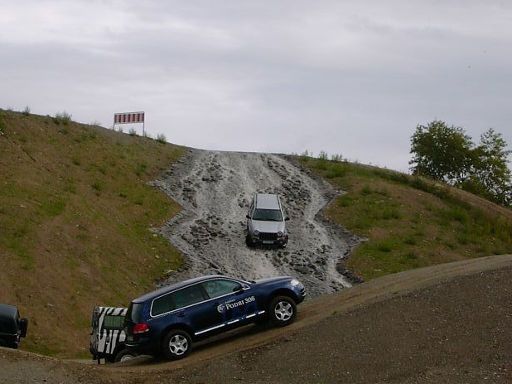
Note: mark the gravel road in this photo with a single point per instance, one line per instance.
(215, 190)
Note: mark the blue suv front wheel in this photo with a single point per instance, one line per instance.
(282, 311)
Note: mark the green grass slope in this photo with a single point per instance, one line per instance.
(75, 219)
(410, 222)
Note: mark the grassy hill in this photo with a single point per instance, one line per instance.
(75, 213)
(410, 222)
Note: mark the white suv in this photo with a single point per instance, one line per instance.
(266, 221)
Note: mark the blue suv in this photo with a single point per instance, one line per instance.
(168, 320)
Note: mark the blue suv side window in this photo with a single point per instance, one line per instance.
(188, 296)
(176, 300)
(162, 305)
(218, 287)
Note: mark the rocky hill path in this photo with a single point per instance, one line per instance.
(215, 190)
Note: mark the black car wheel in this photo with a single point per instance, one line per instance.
(248, 241)
(282, 310)
(124, 355)
(177, 344)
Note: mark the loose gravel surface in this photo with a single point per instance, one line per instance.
(215, 190)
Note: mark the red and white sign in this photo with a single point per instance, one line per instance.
(129, 118)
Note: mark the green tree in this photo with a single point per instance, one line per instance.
(441, 152)
(490, 175)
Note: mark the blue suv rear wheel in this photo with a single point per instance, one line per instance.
(177, 344)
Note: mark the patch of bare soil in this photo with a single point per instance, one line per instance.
(444, 324)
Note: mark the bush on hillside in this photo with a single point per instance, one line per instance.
(62, 118)
(161, 138)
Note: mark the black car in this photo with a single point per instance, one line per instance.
(12, 327)
(169, 320)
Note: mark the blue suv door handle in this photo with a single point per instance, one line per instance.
(181, 314)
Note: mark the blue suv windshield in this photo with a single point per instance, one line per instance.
(267, 215)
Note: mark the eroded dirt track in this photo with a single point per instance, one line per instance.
(215, 190)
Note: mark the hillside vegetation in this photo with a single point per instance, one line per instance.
(75, 219)
(410, 222)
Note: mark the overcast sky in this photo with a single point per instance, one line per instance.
(345, 77)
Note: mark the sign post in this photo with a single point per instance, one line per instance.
(130, 118)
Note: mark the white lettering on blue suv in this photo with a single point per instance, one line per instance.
(234, 304)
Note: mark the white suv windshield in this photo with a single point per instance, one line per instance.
(267, 215)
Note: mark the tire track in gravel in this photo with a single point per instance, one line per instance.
(215, 189)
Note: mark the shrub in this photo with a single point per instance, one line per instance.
(161, 138)
(140, 169)
(26, 111)
(410, 240)
(337, 158)
(385, 246)
(62, 118)
(388, 213)
(366, 190)
(97, 186)
(323, 155)
(53, 207)
(306, 155)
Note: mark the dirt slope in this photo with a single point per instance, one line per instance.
(443, 324)
(215, 190)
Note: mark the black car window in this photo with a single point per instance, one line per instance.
(113, 322)
(8, 322)
(219, 287)
(267, 215)
(188, 296)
